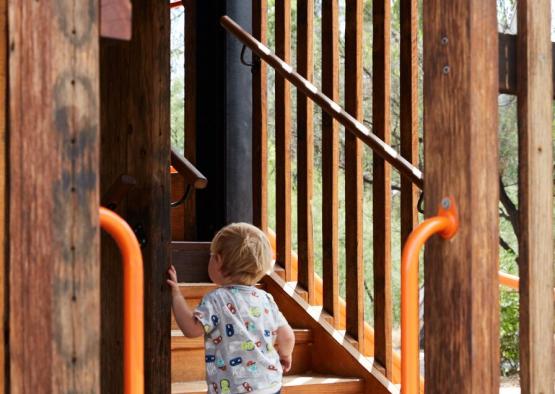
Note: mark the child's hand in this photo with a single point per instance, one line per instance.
(172, 281)
(286, 362)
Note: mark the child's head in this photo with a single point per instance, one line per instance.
(241, 254)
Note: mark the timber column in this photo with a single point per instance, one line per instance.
(460, 142)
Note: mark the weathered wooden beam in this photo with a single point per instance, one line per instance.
(508, 63)
(535, 248)
(116, 19)
(135, 85)
(53, 194)
(461, 153)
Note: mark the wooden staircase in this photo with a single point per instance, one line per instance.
(323, 360)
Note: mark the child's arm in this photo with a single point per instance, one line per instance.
(285, 342)
(190, 326)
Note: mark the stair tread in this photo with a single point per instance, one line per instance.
(198, 290)
(198, 387)
(179, 341)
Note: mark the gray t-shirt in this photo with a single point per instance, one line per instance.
(240, 325)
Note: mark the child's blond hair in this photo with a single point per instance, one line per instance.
(246, 252)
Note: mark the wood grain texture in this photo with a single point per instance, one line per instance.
(135, 140)
(4, 202)
(409, 111)
(283, 140)
(354, 193)
(305, 148)
(535, 92)
(381, 190)
(461, 124)
(332, 353)
(260, 121)
(508, 64)
(54, 267)
(330, 160)
(116, 19)
(189, 218)
(190, 260)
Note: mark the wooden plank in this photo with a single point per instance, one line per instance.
(4, 270)
(305, 148)
(460, 123)
(409, 111)
(283, 141)
(135, 132)
(381, 191)
(54, 301)
(259, 122)
(354, 277)
(330, 160)
(116, 19)
(190, 211)
(190, 260)
(508, 63)
(535, 92)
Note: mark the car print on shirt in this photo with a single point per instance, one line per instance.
(235, 361)
(247, 346)
(251, 366)
(229, 330)
(224, 384)
(209, 358)
(247, 387)
(231, 308)
(217, 340)
(255, 312)
(220, 363)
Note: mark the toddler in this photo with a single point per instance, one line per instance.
(247, 341)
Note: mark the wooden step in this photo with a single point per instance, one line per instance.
(188, 355)
(293, 384)
(190, 260)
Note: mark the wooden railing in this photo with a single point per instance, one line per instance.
(357, 134)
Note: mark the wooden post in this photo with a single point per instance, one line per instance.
(3, 196)
(53, 194)
(135, 84)
(460, 124)
(535, 92)
(354, 190)
(381, 188)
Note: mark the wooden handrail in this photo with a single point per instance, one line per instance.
(176, 4)
(188, 171)
(133, 300)
(382, 149)
(446, 224)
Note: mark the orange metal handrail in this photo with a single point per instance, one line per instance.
(445, 224)
(133, 318)
(512, 281)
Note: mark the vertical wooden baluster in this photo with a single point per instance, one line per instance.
(259, 122)
(381, 116)
(189, 209)
(330, 159)
(283, 140)
(353, 174)
(409, 111)
(305, 148)
(535, 196)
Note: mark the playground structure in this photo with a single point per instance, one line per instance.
(89, 126)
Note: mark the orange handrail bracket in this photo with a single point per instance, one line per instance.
(133, 315)
(446, 224)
